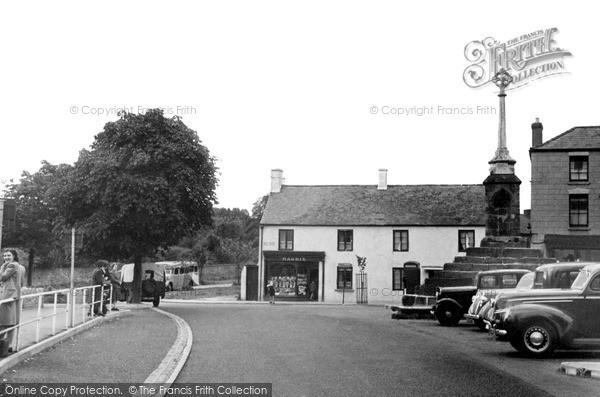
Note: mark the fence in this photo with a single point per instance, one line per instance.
(48, 313)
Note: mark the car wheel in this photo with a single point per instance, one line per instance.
(536, 339)
(156, 301)
(447, 315)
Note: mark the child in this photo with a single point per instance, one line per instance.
(271, 292)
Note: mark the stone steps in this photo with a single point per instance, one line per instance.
(480, 267)
(504, 252)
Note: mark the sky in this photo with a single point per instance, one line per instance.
(309, 87)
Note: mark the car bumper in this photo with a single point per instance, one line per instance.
(470, 316)
(495, 332)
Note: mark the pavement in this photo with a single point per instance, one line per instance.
(55, 340)
(73, 354)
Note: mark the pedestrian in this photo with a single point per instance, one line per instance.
(312, 289)
(116, 285)
(10, 288)
(271, 292)
(99, 280)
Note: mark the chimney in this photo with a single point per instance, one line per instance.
(276, 180)
(536, 133)
(382, 185)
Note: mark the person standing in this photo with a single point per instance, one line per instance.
(10, 288)
(312, 289)
(98, 280)
(271, 292)
(116, 285)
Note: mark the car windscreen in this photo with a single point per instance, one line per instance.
(526, 282)
(581, 279)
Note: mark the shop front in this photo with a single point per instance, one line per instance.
(295, 275)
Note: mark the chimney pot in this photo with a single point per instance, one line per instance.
(382, 185)
(276, 180)
(537, 136)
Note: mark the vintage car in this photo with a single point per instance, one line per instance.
(491, 285)
(453, 302)
(153, 282)
(553, 275)
(537, 321)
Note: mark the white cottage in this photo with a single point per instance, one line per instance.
(311, 238)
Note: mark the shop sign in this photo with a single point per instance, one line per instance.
(293, 259)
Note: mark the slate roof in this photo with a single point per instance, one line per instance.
(576, 138)
(365, 205)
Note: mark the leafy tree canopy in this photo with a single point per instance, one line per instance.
(146, 183)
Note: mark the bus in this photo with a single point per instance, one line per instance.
(180, 274)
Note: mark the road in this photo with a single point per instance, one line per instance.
(354, 350)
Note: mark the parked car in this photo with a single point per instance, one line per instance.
(492, 284)
(537, 321)
(153, 281)
(453, 302)
(553, 275)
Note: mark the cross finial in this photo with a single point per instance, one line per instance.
(502, 79)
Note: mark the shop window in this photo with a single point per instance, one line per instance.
(345, 240)
(578, 168)
(286, 240)
(397, 274)
(344, 276)
(466, 239)
(400, 240)
(578, 210)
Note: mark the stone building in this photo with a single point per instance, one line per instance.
(565, 193)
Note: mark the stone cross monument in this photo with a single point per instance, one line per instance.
(502, 185)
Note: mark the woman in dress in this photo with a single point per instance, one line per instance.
(10, 288)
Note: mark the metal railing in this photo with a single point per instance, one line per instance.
(50, 306)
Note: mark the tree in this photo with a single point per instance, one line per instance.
(36, 215)
(146, 183)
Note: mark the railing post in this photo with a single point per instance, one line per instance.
(84, 306)
(39, 315)
(54, 314)
(18, 330)
(69, 317)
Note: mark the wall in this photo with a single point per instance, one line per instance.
(430, 246)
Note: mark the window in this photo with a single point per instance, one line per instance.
(578, 168)
(286, 240)
(345, 238)
(466, 239)
(344, 276)
(578, 210)
(509, 280)
(488, 281)
(397, 273)
(400, 240)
